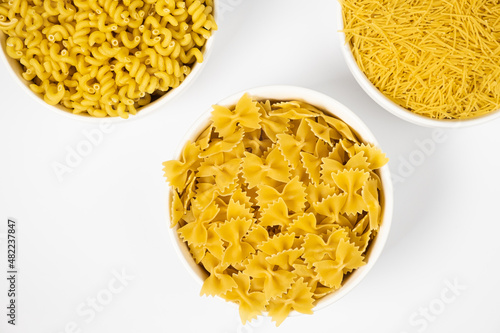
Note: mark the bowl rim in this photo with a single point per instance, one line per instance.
(390, 105)
(14, 68)
(325, 103)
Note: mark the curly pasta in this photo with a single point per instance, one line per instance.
(105, 57)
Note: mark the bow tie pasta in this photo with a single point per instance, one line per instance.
(278, 202)
(105, 57)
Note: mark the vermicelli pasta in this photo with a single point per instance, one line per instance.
(437, 58)
(105, 57)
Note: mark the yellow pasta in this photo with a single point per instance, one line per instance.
(436, 58)
(278, 202)
(105, 57)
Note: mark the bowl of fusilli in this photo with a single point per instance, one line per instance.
(280, 201)
(104, 58)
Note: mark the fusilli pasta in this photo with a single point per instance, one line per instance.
(105, 57)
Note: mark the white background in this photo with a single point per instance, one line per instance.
(108, 215)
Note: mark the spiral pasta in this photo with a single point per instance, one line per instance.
(105, 57)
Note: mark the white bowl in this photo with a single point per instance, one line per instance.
(15, 69)
(329, 106)
(393, 107)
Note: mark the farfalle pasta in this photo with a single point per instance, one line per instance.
(278, 201)
(105, 57)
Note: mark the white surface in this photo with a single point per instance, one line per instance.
(108, 214)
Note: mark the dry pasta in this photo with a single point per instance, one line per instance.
(105, 57)
(278, 202)
(437, 58)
